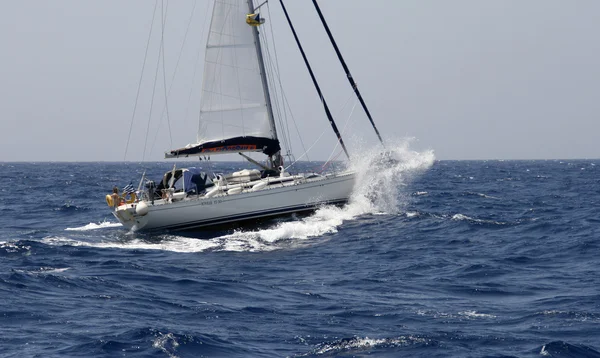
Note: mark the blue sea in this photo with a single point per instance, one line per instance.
(429, 259)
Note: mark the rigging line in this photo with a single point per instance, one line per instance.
(270, 76)
(202, 128)
(312, 75)
(328, 163)
(318, 139)
(165, 108)
(347, 70)
(224, 64)
(196, 62)
(276, 69)
(219, 68)
(287, 104)
(275, 100)
(140, 81)
(279, 104)
(259, 6)
(344, 106)
(323, 167)
(162, 53)
(283, 96)
(343, 130)
(237, 76)
(311, 147)
(212, 100)
(152, 100)
(162, 35)
(226, 95)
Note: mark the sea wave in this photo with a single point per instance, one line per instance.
(94, 226)
(364, 345)
(165, 243)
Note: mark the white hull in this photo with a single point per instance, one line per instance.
(299, 194)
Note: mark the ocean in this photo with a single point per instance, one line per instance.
(429, 259)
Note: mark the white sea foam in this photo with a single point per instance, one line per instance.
(358, 343)
(53, 269)
(572, 315)
(474, 314)
(94, 226)
(551, 312)
(166, 343)
(169, 243)
(12, 247)
(460, 315)
(324, 221)
(485, 196)
(461, 217)
(43, 270)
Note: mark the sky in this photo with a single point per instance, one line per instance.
(468, 79)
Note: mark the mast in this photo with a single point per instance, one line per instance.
(347, 70)
(275, 158)
(312, 75)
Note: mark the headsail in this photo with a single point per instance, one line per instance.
(234, 111)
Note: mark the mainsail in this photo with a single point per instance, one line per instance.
(234, 108)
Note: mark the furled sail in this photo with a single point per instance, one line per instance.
(234, 116)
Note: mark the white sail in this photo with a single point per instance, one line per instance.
(233, 99)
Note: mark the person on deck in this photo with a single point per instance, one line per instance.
(116, 198)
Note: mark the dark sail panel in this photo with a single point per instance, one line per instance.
(232, 145)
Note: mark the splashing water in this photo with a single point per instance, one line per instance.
(377, 190)
(166, 343)
(166, 243)
(381, 176)
(360, 344)
(94, 226)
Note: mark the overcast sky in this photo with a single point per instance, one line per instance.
(470, 79)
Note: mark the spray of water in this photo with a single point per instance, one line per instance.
(94, 226)
(382, 176)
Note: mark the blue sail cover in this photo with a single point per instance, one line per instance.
(194, 180)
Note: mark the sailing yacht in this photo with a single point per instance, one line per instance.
(236, 117)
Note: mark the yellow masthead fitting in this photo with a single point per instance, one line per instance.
(254, 20)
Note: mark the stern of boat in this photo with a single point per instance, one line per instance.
(129, 215)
